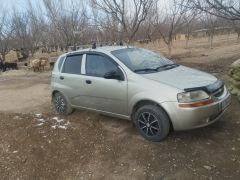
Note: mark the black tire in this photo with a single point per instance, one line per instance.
(152, 122)
(61, 105)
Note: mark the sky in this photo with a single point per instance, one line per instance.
(19, 4)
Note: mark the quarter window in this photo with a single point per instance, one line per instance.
(72, 64)
(98, 65)
(60, 63)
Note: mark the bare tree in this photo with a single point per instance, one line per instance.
(236, 26)
(128, 14)
(210, 23)
(36, 29)
(190, 22)
(6, 30)
(229, 9)
(170, 20)
(147, 29)
(71, 23)
(66, 22)
(20, 25)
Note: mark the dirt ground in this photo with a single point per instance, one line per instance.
(36, 143)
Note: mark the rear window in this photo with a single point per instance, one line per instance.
(72, 64)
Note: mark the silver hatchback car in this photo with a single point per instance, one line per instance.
(139, 85)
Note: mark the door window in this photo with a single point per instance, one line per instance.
(72, 64)
(98, 65)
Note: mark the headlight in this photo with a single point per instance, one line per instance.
(193, 96)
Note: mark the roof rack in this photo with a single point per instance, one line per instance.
(101, 44)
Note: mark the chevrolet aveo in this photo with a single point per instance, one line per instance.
(139, 85)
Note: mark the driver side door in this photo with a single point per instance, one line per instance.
(106, 95)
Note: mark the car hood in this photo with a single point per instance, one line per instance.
(182, 77)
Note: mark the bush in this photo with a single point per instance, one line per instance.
(234, 73)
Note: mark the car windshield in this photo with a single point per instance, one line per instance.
(142, 60)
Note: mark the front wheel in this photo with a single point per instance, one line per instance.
(61, 105)
(152, 122)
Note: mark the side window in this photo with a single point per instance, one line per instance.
(98, 65)
(72, 64)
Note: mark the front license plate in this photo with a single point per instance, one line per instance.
(226, 103)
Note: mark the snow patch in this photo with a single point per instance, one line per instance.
(53, 122)
(17, 117)
(59, 127)
(38, 115)
(55, 118)
(40, 124)
(41, 120)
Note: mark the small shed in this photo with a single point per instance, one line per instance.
(180, 37)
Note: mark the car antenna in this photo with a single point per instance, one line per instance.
(94, 45)
(128, 44)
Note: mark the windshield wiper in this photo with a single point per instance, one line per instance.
(145, 69)
(167, 66)
(164, 67)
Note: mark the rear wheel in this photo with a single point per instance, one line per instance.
(61, 105)
(152, 122)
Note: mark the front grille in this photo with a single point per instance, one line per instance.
(218, 92)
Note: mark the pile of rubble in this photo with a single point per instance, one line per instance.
(235, 78)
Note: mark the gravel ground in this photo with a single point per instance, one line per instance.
(36, 143)
(91, 146)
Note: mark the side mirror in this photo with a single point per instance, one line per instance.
(113, 75)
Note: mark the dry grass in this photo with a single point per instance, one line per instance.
(199, 51)
(223, 46)
(52, 54)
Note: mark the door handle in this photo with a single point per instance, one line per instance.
(61, 77)
(88, 82)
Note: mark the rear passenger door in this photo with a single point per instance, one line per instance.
(70, 79)
(108, 95)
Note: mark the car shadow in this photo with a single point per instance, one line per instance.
(208, 132)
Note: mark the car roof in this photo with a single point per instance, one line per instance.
(100, 49)
(109, 48)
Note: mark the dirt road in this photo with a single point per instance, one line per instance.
(24, 91)
(36, 143)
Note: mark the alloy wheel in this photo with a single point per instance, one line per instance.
(148, 123)
(59, 104)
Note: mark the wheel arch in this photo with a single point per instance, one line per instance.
(149, 102)
(54, 92)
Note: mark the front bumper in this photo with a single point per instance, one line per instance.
(191, 118)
